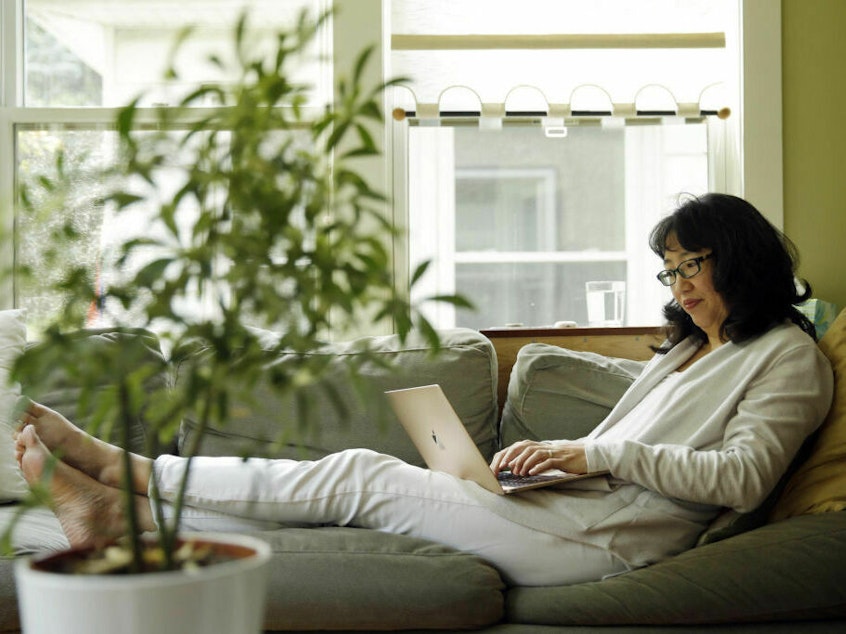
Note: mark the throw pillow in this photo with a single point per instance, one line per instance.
(820, 312)
(556, 393)
(819, 485)
(12, 342)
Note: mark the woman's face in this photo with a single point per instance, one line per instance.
(696, 295)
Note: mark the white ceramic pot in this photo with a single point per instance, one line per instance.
(226, 598)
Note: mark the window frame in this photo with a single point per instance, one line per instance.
(758, 117)
(358, 22)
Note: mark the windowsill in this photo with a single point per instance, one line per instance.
(579, 331)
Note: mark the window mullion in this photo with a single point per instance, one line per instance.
(11, 34)
(11, 66)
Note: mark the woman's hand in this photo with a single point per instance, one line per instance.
(529, 457)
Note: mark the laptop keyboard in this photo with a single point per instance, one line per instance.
(506, 477)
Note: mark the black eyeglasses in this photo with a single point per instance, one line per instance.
(686, 269)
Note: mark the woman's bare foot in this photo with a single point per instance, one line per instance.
(91, 513)
(92, 456)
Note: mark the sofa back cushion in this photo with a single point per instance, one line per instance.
(556, 393)
(347, 408)
(819, 484)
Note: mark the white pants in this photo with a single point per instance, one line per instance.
(365, 489)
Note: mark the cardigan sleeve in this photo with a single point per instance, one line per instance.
(778, 410)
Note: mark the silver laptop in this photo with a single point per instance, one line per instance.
(443, 442)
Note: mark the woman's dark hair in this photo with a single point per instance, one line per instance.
(754, 267)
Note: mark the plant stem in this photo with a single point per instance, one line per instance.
(129, 502)
(169, 536)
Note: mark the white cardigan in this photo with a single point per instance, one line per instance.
(722, 437)
(730, 429)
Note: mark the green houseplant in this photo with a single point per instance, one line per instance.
(267, 223)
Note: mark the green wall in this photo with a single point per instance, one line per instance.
(814, 102)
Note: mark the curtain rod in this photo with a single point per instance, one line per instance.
(403, 42)
(399, 114)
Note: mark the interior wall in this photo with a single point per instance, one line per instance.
(814, 96)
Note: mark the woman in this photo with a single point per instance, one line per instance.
(712, 422)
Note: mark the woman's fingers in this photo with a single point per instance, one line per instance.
(542, 460)
(521, 457)
(503, 459)
(529, 457)
(569, 457)
(534, 459)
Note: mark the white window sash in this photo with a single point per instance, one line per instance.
(753, 166)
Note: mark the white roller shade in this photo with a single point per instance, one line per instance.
(560, 58)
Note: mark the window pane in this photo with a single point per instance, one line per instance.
(98, 230)
(529, 294)
(36, 159)
(574, 177)
(106, 52)
(518, 222)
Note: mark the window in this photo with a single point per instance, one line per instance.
(503, 91)
(66, 66)
(83, 57)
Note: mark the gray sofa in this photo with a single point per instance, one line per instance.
(747, 575)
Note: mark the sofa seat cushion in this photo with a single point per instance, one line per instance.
(356, 579)
(35, 530)
(347, 408)
(789, 570)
